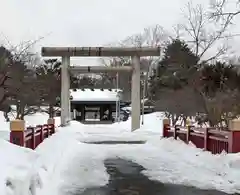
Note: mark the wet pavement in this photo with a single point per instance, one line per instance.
(115, 142)
(126, 179)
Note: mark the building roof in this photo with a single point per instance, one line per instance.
(99, 95)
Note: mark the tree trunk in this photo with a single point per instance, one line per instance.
(18, 110)
(22, 112)
(51, 111)
(6, 116)
(6, 110)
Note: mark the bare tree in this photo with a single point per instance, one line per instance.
(207, 37)
(48, 79)
(17, 79)
(25, 53)
(24, 91)
(225, 10)
(5, 69)
(13, 86)
(153, 36)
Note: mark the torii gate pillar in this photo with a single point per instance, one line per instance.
(135, 93)
(65, 91)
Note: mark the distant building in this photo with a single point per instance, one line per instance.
(95, 105)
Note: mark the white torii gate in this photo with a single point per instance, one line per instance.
(67, 52)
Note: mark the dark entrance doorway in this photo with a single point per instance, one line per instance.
(93, 112)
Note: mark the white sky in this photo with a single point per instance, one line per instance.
(83, 23)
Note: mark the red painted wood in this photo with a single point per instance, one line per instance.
(210, 139)
(17, 137)
(32, 136)
(234, 143)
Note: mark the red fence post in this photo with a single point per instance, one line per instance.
(234, 136)
(166, 126)
(46, 128)
(41, 132)
(17, 136)
(33, 144)
(51, 125)
(206, 137)
(52, 128)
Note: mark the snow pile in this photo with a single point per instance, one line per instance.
(19, 166)
(71, 165)
(18, 175)
(4, 127)
(169, 161)
(39, 118)
(56, 153)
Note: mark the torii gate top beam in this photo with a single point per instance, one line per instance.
(100, 51)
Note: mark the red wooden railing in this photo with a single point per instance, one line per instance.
(210, 139)
(32, 136)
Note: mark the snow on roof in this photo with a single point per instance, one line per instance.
(95, 94)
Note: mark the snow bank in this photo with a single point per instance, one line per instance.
(4, 127)
(171, 161)
(71, 165)
(38, 119)
(18, 175)
(19, 166)
(56, 153)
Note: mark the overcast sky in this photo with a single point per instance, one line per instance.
(83, 22)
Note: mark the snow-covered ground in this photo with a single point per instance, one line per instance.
(63, 163)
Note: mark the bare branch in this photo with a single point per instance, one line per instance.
(203, 34)
(222, 9)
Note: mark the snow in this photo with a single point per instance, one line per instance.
(19, 166)
(81, 164)
(18, 175)
(96, 95)
(63, 163)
